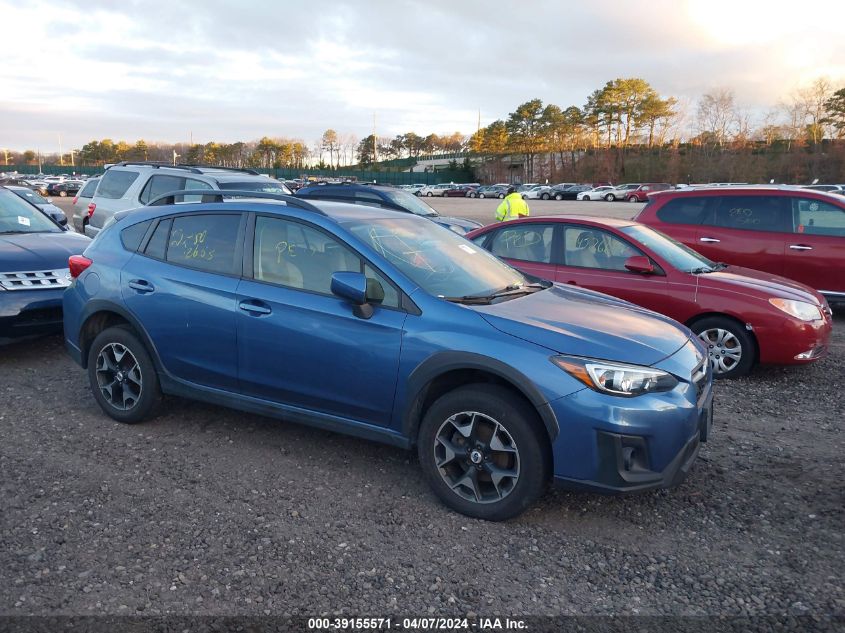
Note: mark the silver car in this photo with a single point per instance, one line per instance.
(127, 185)
(81, 204)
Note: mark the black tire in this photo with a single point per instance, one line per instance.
(633, 199)
(544, 196)
(63, 194)
(558, 196)
(707, 329)
(610, 197)
(529, 443)
(429, 194)
(501, 195)
(481, 195)
(149, 391)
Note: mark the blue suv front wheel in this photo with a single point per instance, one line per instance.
(484, 452)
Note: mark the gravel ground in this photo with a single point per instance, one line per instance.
(214, 512)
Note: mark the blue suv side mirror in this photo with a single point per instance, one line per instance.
(359, 290)
(350, 286)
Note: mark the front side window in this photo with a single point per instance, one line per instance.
(295, 255)
(817, 217)
(19, 216)
(588, 247)
(752, 213)
(206, 242)
(528, 242)
(115, 183)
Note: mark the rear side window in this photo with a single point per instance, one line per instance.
(683, 210)
(753, 213)
(131, 236)
(206, 242)
(817, 217)
(115, 183)
(89, 188)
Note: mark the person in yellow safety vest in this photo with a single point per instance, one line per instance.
(512, 207)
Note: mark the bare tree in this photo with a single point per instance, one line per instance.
(717, 114)
(812, 100)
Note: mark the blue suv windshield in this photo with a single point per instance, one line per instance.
(435, 258)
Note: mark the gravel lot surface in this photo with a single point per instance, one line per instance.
(209, 511)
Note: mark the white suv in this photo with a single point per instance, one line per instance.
(128, 185)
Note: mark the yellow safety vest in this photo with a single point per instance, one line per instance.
(511, 208)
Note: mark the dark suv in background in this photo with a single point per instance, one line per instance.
(386, 197)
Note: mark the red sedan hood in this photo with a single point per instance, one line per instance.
(747, 280)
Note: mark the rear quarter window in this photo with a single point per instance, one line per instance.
(683, 210)
(115, 183)
(131, 236)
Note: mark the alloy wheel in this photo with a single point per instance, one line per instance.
(476, 457)
(724, 349)
(119, 376)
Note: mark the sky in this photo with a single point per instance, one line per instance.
(202, 70)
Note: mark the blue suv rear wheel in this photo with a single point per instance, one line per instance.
(122, 376)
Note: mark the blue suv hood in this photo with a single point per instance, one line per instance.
(585, 323)
(39, 251)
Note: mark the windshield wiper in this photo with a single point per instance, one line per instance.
(15, 232)
(513, 290)
(709, 269)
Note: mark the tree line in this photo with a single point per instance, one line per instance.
(619, 123)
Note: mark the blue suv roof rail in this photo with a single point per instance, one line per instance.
(219, 195)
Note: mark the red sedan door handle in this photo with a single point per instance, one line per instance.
(572, 283)
(709, 240)
(800, 247)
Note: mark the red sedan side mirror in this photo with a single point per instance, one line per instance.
(639, 264)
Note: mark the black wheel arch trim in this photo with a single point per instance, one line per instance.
(96, 306)
(444, 362)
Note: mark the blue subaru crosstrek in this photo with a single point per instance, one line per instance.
(387, 326)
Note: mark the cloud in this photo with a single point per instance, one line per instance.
(223, 70)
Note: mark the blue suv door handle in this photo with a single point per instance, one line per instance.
(141, 285)
(254, 307)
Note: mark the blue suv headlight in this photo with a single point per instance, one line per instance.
(617, 379)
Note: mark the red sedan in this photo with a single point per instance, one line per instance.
(743, 315)
(462, 191)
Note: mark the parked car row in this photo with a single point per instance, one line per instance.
(506, 359)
